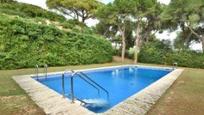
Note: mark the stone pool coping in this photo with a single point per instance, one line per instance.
(139, 104)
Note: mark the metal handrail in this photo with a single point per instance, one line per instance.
(96, 84)
(86, 76)
(91, 84)
(37, 71)
(63, 89)
(72, 92)
(71, 88)
(82, 101)
(45, 70)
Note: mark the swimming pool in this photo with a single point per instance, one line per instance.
(120, 83)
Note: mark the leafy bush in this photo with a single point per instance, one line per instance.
(27, 10)
(154, 52)
(41, 15)
(6, 1)
(186, 58)
(24, 44)
(77, 26)
(159, 53)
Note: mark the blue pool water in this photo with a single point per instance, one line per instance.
(120, 82)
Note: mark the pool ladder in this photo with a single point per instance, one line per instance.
(87, 79)
(37, 70)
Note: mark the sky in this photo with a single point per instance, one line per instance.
(165, 35)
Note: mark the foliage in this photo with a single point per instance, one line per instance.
(126, 17)
(40, 15)
(146, 14)
(77, 9)
(6, 1)
(186, 58)
(104, 29)
(154, 52)
(159, 52)
(27, 10)
(116, 17)
(24, 44)
(189, 16)
(76, 26)
(184, 39)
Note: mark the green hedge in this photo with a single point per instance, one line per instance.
(24, 44)
(159, 53)
(38, 14)
(154, 52)
(186, 59)
(27, 10)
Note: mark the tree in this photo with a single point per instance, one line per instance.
(117, 14)
(104, 29)
(189, 16)
(80, 10)
(184, 39)
(146, 15)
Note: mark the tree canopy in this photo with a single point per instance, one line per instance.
(188, 15)
(142, 14)
(146, 14)
(115, 16)
(80, 10)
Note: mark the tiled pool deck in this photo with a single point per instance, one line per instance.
(54, 104)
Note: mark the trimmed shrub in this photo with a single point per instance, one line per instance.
(24, 44)
(159, 53)
(186, 58)
(154, 52)
(28, 10)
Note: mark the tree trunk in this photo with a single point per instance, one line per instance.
(83, 20)
(84, 16)
(136, 51)
(200, 37)
(202, 40)
(123, 46)
(137, 43)
(76, 14)
(122, 32)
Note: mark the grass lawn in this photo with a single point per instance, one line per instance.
(184, 97)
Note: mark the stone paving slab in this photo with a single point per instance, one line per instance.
(54, 104)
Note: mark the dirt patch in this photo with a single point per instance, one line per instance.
(118, 59)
